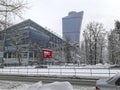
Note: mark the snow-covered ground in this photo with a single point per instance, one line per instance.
(11, 85)
(98, 70)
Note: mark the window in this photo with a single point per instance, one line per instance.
(9, 55)
(25, 55)
(117, 82)
(31, 54)
(110, 79)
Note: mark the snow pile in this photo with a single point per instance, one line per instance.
(51, 86)
(99, 65)
(35, 86)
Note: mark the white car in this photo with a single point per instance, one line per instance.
(112, 83)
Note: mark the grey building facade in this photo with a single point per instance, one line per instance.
(71, 26)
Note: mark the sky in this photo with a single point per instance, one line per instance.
(49, 13)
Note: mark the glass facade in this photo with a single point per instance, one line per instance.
(71, 26)
(30, 38)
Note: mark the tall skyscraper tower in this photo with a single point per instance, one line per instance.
(71, 26)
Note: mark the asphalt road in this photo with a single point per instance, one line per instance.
(73, 81)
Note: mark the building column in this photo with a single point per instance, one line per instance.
(33, 56)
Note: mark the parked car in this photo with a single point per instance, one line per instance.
(115, 66)
(112, 83)
(41, 66)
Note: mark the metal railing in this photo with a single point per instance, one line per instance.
(64, 71)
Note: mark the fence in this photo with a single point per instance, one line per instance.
(71, 72)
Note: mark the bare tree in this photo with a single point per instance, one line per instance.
(112, 47)
(102, 45)
(93, 34)
(83, 53)
(9, 9)
(87, 47)
(114, 44)
(117, 29)
(67, 50)
(15, 41)
(40, 55)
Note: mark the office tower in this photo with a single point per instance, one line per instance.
(71, 26)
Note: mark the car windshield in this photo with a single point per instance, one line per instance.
(110, 79)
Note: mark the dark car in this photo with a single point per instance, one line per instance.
(41, 66)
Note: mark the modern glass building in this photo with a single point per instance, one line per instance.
(29, 38)
(71, 26)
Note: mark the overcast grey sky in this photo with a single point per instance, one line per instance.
(49, 13)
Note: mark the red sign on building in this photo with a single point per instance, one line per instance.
(47, 53)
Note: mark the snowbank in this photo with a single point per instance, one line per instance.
(50, 86)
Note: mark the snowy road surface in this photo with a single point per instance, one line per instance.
(11, 85)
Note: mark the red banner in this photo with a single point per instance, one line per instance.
(47, 53)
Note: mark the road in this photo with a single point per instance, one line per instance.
(73, 81)
(78, 83)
